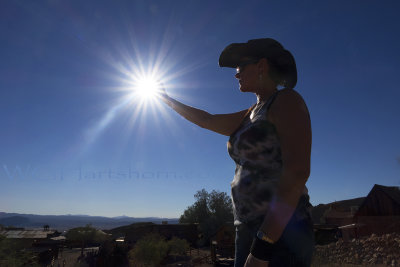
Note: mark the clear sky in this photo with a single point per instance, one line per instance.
(73, 140)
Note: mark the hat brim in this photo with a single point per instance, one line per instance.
(234, 54)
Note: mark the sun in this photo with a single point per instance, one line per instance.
(146, 87)
(142, 78)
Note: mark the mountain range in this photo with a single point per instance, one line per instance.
(65, 222)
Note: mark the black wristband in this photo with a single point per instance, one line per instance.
(262, 250)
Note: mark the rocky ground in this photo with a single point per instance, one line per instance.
(374, 250)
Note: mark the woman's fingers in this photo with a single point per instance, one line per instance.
(161, 91)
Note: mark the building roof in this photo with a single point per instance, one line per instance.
(392, 191)
(34, 234)
(321, 210)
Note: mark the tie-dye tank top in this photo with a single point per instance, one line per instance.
(255, 148)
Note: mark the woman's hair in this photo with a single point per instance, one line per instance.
(283, 68)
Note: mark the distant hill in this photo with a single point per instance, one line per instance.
(14, 221)
(65, 222)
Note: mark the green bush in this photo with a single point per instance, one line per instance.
(148, 251)
(152, 249)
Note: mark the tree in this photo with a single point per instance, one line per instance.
(199, 212)
(210, 211)
(85, 235)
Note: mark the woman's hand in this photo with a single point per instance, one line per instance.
(162, 93)
(254, 262)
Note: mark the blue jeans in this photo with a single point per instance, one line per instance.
(296, 244)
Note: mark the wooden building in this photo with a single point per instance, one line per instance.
(380, 212)
(223, 244)
(336, 213)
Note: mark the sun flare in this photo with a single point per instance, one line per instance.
(146, 87)
(141, 80)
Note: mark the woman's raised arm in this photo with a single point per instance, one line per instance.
(224, 124)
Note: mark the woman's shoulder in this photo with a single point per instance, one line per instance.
(287, 100)
(289, 93)
(288, 96)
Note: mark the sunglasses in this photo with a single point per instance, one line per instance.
(243, 64)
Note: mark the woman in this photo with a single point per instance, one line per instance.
(271, 146)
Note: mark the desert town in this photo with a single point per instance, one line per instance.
(363, 231)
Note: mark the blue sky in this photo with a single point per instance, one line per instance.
(73, 142)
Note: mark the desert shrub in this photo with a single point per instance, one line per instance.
(148, 251)
(12, 254)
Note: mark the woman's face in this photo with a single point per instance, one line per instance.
(248, 76)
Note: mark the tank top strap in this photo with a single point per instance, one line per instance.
(271, 100)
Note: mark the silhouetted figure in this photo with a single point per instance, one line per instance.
(270, 144)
